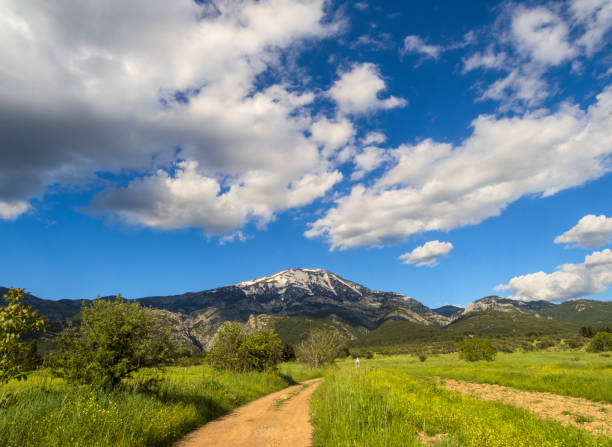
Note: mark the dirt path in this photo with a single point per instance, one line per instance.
(595, 417)
(278, 419)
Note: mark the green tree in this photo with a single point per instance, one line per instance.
(587, 331)
(601, 342)
(473, 349)
(115, 338)
(237, 350)
(321, 347)
(16, 320)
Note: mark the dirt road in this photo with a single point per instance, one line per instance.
(595, 417)
(278, 419)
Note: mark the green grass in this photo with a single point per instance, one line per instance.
(576, 373)
(46, 411)
(386, 407)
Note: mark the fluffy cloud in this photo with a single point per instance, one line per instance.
(12, 210)
(357, 91)
(569, 281)
(428, 254)
(438, 186)
(542, 35)
(125, 84)
(415, 44)
(332, 134)
(188, 199)
(590, 232)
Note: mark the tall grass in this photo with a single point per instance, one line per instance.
(368, 407)
(576, 373)
(45, 411)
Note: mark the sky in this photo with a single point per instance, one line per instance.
(444, 150)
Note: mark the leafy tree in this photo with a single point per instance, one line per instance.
(601, 342)
(236, 350)
(321, 347)
(587, 331)
(473, 349)
(288, 352)
(115, 338)
(16, 320)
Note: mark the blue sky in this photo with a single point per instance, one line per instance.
(446, 151)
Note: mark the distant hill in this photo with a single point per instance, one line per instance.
(296, 300)
(448, 310)
(583, 312)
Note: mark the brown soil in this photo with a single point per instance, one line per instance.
(278, 419)
(595, 417)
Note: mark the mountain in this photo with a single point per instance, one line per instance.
(448, 310)
(313, 292)
(296, 300)
(584, 312)
(501, 304)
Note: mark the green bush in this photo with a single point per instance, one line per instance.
(16, 320)
(115, 338)
(473, 349)
(601, 342)
(235, 350)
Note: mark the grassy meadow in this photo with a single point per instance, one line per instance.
(153, 408)
(391, 401)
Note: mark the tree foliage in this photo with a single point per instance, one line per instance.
(115, 338)
(237, 350)
(321, 347)
(16, 320)
(601, 342)
(473, 349)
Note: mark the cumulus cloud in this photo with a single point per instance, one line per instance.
(415, 44)
(373, 138)
(438, 186)
(12, 210)
(332, 134)
(358, 91)
(93, 87)
(590, 232)
(187, 198)
(427, 254)
(569, 281)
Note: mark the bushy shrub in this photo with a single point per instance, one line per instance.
(16, 320)
(587, 331)
(288, 352)
(115, 338)
(601, 342)
(236, 350)
(473, 349)
(320, 348)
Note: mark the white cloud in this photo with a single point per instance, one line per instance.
(367, 160)
(12, 210)
(415, 44)
(428, 254)
(91, 87)
(569, 281)
(590, 232)
(332, 134)
(358, 90)
(189, 199)
(596, 18)
(436, 186)
(530, 42)
(488, 59)
(542, 35)
(373, 138)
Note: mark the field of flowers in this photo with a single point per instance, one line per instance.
(377, 406)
